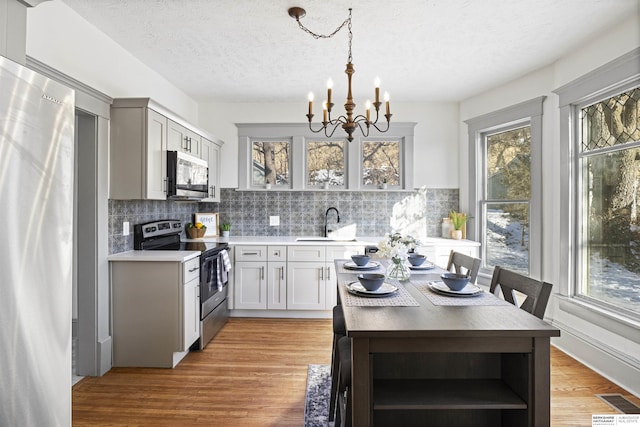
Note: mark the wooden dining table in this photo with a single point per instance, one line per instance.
(423, 358)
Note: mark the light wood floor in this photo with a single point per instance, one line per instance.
(254, 374)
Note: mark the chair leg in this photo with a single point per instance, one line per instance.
(335, 377)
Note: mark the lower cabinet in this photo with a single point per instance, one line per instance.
(155, 311)
(307, 284)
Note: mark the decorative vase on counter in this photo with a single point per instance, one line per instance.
(398, 269)
(456, 234)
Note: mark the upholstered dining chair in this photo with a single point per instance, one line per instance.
(339, 331)
(464, 264)
(536, 292)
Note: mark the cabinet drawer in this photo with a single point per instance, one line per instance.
(251, 253)
(306, 253)
(277, 253)
(191, 269)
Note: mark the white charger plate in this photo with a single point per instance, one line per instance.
(470, 290)
(357, 289)
(371, 265)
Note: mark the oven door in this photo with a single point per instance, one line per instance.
(213, 282)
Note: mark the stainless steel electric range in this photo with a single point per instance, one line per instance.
(214, 266)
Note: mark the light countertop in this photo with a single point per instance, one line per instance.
(167, 256)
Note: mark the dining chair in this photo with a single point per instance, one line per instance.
(343, 404)
(464, 264)
(339, 331)
(537, 292)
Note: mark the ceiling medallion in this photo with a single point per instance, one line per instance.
(348, 121)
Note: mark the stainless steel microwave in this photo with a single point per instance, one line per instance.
(187, 176)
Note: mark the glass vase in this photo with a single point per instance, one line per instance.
(398, 269)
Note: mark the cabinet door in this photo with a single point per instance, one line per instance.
(156, 161)
(179, 138)
(306, 253)
(277, 285)
(250, 286)
(191, 313)
(306, 286)
(210, 152)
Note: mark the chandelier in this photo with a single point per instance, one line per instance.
(348, 121)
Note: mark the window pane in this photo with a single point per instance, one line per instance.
(507, 236)
(325, 163)
(611, 232)
(611, 122)
(509, 165)
(381, 162)
(270, 162)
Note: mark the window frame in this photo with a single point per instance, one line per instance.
(299, 133)
(614, 77)
(519, 115)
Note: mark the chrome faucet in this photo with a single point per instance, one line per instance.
(326, 214)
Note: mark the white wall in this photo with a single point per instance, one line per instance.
(436, 135)
(88, 55)
(606, 345)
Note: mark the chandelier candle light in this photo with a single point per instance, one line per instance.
(348, 121)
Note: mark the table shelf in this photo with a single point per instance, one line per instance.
(444, 394)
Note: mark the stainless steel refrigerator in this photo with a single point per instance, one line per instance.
(36, 218)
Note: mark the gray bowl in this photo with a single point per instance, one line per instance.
(417, 260)
(361, 260)
(455, 281)
(371, 281)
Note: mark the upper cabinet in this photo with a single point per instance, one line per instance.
(141, 134)
(179, 138)
(210, 151)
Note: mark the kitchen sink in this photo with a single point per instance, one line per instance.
(325, 239)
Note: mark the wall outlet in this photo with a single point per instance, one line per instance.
(125, 228)
(274, 220)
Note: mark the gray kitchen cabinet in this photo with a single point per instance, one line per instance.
(180, 138)
(210, 151)
(155, 311)
(137, 152)
(439, 252)
(142, 132)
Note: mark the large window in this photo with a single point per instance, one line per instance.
(505, 178)
(507, 173)
(609, 200)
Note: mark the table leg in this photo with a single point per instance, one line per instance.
(541, 382)
(361, 383)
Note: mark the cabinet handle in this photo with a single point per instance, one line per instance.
(249, 253)
(185, 146)
(328, 273)
(214, 191)
(164, 185)
(262, 272)
(321, 273)
(191, 270)
(281, 272)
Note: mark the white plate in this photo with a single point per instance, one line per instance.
(357, 289)
(371, 265)
(468, 291)
(427, 265)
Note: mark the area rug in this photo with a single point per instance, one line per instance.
(316, 407)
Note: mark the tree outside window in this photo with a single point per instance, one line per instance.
(381, 163)
(326, 163)
(270, 162)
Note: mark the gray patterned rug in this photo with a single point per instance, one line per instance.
(316, 407)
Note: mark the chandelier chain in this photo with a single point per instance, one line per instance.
(346, 22)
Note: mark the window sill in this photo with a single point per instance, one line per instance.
(622, 325)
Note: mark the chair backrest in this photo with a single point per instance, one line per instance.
(537, 292)
(464, 264)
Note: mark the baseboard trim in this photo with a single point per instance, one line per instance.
(285, 314)
(616, 367)
(105, 361)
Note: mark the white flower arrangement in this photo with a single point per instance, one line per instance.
(397, 246)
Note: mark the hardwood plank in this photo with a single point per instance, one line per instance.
(254, 374)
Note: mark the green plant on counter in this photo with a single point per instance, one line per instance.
(458, 219)
(225, 226)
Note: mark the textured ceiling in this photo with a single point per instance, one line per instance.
(423, 50)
